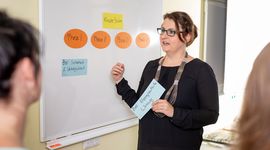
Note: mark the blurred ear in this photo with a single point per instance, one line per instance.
(24, 84)
(25, 71)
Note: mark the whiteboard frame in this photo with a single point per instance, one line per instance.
(77, 137)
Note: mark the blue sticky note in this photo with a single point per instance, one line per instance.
(74, 67)
(144, 103)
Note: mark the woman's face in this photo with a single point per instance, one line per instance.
(170, 43)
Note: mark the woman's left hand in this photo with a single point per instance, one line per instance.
(163, 106)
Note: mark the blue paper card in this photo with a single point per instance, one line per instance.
(144, 103)
(74, 67)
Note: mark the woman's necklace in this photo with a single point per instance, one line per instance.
(172, 92)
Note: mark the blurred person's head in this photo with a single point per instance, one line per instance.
(19, 60)
(254, 121)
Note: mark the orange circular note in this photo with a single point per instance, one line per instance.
(100, 39)
(75, 38)
(142, 40)
(123, 40)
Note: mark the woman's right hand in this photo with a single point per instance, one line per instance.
(118, 71)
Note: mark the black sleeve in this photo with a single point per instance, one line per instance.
(208, 111)
(128, 94)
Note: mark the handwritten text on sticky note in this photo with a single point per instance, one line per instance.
(112, 21)
(74, 67)
(144, 103)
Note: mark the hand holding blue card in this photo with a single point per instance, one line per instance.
(144, 103)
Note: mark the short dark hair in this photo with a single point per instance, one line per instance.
(184, 21)
(18, 40)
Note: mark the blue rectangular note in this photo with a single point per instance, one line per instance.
(74, 67)
(144, 103)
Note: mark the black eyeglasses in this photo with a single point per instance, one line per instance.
(169, 32)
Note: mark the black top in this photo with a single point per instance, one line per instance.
(196, 106)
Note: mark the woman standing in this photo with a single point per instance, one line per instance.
(190, 100)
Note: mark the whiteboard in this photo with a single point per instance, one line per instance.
(247, 34)
(78, 93)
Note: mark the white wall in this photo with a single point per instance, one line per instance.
(247, 33)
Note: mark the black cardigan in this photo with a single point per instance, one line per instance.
(196, 106)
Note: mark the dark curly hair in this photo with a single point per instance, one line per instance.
(18, 40)
(183, 20)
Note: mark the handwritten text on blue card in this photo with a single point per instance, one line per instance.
(144, 103)
(74, 67)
